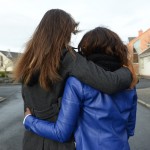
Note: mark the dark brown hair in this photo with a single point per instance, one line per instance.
(104, 41)
(43, 51)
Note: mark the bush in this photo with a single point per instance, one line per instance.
(2, 74)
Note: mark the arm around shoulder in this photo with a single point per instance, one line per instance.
(95, 76)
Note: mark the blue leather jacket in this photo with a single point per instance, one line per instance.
(99, 121)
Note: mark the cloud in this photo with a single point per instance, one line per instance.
(20, 18)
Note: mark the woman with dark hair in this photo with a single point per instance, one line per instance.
(45, 65)
(98, 120)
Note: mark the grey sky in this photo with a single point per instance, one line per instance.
(19, 18)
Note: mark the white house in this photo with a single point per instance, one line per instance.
(7, 60)
(144, 63)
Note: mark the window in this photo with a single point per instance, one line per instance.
(1, 61)
(135, 56)
(137, 46)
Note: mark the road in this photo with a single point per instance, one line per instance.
(141, 140)
(11, 128)
(11, 114)
(143, 90)
(143, 83)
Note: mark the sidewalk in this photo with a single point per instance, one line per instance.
(144, 96)
(6, 90)
(2, 99)
(3, 84)
(143, 92)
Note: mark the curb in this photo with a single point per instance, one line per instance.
(2, 99)
(143, 103)
(5, 84)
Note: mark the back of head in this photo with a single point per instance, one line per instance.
(104, 41)
(43, 50)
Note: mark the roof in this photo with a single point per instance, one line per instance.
(10, 55)
(131, 38)
(145, 53)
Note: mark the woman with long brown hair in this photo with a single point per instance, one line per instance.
(44, 67)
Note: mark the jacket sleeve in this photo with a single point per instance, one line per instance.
(132, 117)
(70, 108)
(95, 76)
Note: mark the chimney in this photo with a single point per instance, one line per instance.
(140, 32)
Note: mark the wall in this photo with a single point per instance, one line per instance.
(144, 66)
(7, 63)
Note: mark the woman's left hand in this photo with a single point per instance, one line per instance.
(28, 112)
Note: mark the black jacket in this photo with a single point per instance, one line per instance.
(45, 105)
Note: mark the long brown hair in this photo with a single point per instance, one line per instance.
(43, 51)
(106, 42)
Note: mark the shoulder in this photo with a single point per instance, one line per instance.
(73, 56)
(81, 89)
(74, 82)
(74, 87)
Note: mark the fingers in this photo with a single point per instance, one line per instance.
(27, 111)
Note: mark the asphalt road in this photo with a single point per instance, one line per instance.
(141, 139)
(11, 115)
(143, 83)
(11, 128)
(143, 90)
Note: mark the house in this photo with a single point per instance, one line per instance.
(144, 63)
(137, 46)
(7, 60)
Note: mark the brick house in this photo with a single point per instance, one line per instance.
(137, 46)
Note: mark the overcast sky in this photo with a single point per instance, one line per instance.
(19, 18)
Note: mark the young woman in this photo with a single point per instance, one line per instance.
(98, 120)
(44, 67)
